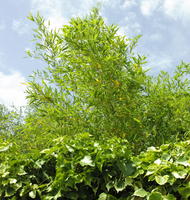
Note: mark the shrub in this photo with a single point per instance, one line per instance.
(84, 168)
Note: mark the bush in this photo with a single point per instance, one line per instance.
(84, 168)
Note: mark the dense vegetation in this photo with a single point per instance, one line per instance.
(97, 126)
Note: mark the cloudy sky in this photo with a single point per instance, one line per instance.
(164, 25)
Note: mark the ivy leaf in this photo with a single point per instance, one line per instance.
(87, 161)
(161, 180)
(109, 185)
(155, 196)
(179, 174)
(120, 185)
(158, 161)
(140, 193)
(32, 194)
(104, 196)
(126, 168)
(183, 161)
(12, 180)
(169, 197)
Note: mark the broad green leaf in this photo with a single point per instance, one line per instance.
(87, 161)
(104, 196)
(179, 174)
(161, 180)
(169, 197)
(17, 185)
(140, 193)
(126, 168)
(155, 196)
(5, 174)
(21, 171)
(152, 149)
(120, 185)
(158, 161)
(32, 194)
(183, 161)
(109, 185)
(149, 173)
(12, 180)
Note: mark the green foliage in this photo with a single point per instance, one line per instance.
(165, 112)
(11, 121)
(93, 112)
(165, 170)
(94, 81)
(84, 168)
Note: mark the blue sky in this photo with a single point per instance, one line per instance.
(164, 25)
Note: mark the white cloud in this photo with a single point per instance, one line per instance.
(129, 3)
(20, 27)
(58, 12)
(51, 10)
(2, 58)
(157, 63)
(155, 37)
(129, 25)
(177, 9)
(149, 6)
(56, 21)
(2, 26)
(12, 89)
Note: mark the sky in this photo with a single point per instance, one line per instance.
(163, 24)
